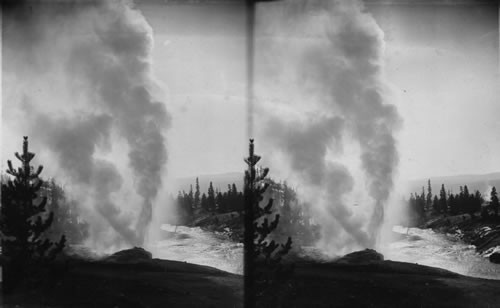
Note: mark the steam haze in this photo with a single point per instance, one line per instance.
(80, 80)
(80, 85)
(326, 115)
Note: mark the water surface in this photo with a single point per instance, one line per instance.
(426, 247)
(195, 245)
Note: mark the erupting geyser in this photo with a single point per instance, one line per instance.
(319, 66)
(79, 75)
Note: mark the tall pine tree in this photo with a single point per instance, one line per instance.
(204, 202)
(435, 204)
(197, 195)
(211, 198)
(190, 204)
(453, 202)
(24, 221)
(494, 204)
(428, 203)
(262, 255)
(443, 206)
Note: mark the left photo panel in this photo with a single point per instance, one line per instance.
(123, 132)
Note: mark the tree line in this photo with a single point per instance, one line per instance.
(66, 217)
(425, 203)
(295, 220)
(193, 203)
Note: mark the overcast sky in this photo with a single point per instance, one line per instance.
(199, 57)
(443, 63)
(440, 60)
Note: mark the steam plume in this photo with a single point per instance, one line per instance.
(93, 60)
(320, 63)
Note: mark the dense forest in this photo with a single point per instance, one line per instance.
(193, 204)
(294, 219)
(66, 219)
(424, 205)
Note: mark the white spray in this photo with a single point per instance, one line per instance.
(324, 116)
(81, 72)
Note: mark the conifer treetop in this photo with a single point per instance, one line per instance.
(25, 171)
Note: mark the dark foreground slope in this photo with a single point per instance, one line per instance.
(376, 283)
(353, 282)
(125, 282)
(387, 284)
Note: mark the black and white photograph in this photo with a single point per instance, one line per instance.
(250, 153)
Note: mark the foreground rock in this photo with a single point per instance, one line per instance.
(132, 255)
(495, 257)
(361, 257)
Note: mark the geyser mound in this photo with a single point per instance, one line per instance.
(361, 257)
(132, 255)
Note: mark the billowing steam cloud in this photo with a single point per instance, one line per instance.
(92, 61)
(321, 92)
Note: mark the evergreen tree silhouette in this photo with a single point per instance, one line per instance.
(197, 195)
(466, 192)
(442, 200)
(435, 204)
(494, 204)
(66, 220)
(475, 203)
(262, 256)
(190, 204)
(428, 203)
(421, 201)
(211, 198)
(221, 202)
(204, 202)
(452, 200)
(24, 221)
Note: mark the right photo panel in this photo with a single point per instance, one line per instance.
(373, 160)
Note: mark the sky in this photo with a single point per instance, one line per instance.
(440, 60)
(199, 57)
(350, 100)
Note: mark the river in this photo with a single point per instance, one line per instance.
(426, 247)
(195, 245)
(413, 245)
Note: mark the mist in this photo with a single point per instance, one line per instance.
(325, 115)
(81, 86)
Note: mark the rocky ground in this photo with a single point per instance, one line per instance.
(480, 232)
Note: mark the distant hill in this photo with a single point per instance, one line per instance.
(481, 182)
(220, 181)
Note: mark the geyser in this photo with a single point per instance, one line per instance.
(324, 114)
(78, 74)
